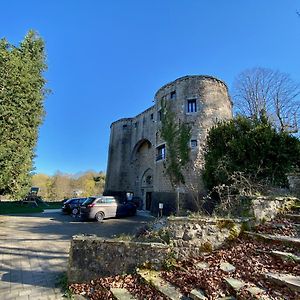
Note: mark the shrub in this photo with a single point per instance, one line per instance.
(252, 147)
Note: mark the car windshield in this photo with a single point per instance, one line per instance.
(69, 201)
(81, 200)
(89, 200)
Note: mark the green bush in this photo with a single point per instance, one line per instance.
(253, 147)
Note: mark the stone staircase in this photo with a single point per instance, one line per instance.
(235, 287)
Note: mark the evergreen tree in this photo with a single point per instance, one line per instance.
(22, 92)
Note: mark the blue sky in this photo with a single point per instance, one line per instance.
(106, 59)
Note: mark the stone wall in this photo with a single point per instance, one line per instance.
(294, 183)
(91, 257)
(266, 208)
(191, 237)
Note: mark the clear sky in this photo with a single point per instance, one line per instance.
(106, 59)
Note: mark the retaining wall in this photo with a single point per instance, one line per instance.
(91, 257)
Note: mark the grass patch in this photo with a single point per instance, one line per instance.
(16, 207)
(53, 205)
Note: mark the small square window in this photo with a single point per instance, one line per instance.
(194, 144)
(160, 152)
(125, 126)
(159, 115)
(173, 95)
(191, 105)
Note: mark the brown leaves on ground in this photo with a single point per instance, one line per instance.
(99, 289)
(251, 259)
(279, 226)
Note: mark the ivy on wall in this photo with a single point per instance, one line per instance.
(177, 136)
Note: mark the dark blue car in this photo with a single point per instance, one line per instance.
(72, 206)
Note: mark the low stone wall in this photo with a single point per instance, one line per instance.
(91, 257)
(266, 208)
(191, 237)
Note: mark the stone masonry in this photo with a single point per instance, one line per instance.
(136, 160)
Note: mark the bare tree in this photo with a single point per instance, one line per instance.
(261, 90)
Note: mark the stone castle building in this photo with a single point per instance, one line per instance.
(136, 160)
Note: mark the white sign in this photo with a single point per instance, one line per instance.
(160, 205)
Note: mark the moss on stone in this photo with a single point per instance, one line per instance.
(206, 247)
(225, 223)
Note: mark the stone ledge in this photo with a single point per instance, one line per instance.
(114, 241)
(207, 220)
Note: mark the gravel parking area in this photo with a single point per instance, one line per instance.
(34, 250)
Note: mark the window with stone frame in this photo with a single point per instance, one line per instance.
(191, 105)
(161, 152)
(173, 95)
(194, 144)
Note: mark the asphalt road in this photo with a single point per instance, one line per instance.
(34, 250)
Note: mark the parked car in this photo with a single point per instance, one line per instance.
(72, 206)
(102, 207)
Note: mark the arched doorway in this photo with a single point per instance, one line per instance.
(147, 187)
(142, 160)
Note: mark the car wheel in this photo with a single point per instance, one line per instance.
(99, 216)
(75, 211)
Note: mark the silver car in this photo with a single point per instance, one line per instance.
(102, 207)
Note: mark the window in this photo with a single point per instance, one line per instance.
(124, 126)
(108, 200)
(151, 116)
(149, 179)
(193, 144)
(191, 105)
(173, 95)
(161, 152)
(159, 115)
(136, 124)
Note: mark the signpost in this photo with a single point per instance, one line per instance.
(160, 206)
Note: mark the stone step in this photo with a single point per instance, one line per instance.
(274, 238)
(122, 294)
(237, 285)
(293, 282)
(295, 207)
(197, 294)
(294, 217)
(153, 278)
(287, 256)
(227, 267)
